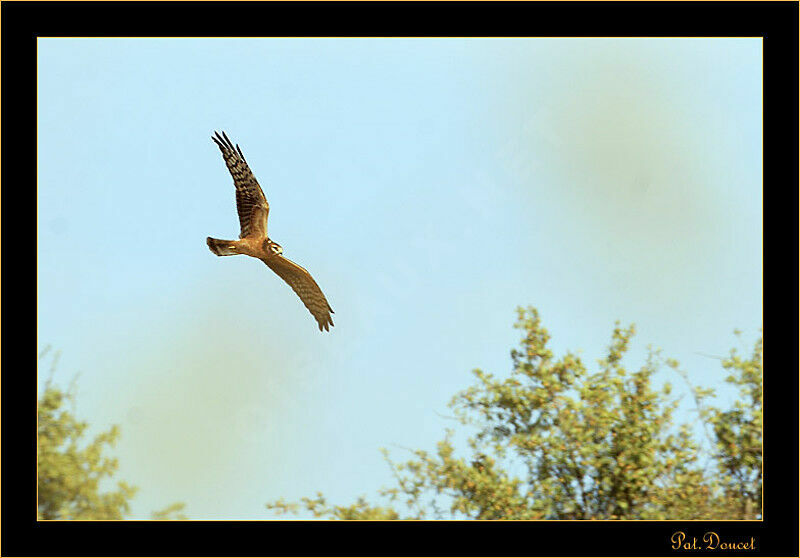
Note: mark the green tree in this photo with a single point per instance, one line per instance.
(71, 471)
(736, 433)
(556, 441)
(173, 511)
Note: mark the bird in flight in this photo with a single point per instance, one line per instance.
(253, 241)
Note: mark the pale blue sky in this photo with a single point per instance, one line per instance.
(429, 185)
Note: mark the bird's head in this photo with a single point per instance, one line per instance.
(273, 247)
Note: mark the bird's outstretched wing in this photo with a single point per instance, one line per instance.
(306, 288)
(251, 204)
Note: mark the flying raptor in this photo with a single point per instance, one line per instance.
(253, 241)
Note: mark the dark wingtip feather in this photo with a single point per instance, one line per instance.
(219, 141)
(225, 144)
(228, 142)
(326, 325)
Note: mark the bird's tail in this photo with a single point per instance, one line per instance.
(222, 247)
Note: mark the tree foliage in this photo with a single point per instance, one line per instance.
(319, 508)
(173, 511)
(555, 440)
(69, 471)
(736, 433)
(75, 476)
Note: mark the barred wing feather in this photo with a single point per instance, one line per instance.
(251, 204)
(306, 288)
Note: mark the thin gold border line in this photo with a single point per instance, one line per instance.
(548, 521)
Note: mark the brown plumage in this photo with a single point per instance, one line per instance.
(253, 209)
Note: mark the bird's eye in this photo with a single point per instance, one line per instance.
(277, 248)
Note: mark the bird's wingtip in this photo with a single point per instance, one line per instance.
(221, 140)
